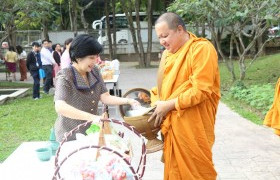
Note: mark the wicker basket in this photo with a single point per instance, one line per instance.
(141, 123)
(137, 173)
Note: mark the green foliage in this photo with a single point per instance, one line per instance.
(26, 14)
(259, 97)
(243, 109)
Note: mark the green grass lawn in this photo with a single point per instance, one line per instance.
(6, 84)
(264, 70)
(24, 119)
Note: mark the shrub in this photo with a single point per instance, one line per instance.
(259, 97)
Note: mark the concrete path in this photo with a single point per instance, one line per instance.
(242, 150)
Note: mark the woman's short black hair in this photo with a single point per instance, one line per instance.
(84, 45)
(54, 46)
(19, 49)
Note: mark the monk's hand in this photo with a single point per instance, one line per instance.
(163, 107)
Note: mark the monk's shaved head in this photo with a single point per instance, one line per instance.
(173, 20)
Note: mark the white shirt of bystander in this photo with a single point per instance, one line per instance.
(46, 57)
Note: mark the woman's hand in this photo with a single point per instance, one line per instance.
(97, 119)
(162, 108)
(133, 103)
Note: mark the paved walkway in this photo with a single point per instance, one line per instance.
(242, 150)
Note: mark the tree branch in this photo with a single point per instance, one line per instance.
(260, 50)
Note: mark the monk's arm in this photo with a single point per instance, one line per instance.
(204, 67)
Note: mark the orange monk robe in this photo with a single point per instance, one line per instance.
(191, 75)
(272, 118)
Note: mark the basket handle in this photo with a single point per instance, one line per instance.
(105, 129)
(142, 162)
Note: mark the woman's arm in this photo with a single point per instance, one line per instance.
(66, 110)
(107, 99)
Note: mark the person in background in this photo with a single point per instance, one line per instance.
(65, 57)
(53, 74)
(22, 63)
(186, 99)
(47, 65)
(272, 118)
(1, 59)
(3, 51)
(5, 47)
(50, 46)
(56, 55)
(11, 62)
(33, 64)
(80, 87)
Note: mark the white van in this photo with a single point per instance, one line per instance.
(123, 34)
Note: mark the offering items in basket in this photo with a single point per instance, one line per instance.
(107, 167)
(93, 129)
(107, 74)
(139, 118)
(112, 163)
(109, 69)
(112, 139)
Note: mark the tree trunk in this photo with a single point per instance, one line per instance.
(203, 30)
(242, 55)
(11, 31)
(75, 4)
(45, 32)
(260, 45)
(128, 14)
(142, 61)
(216, 37)
(84, 22)
(197, 29)
(229, 63)
(4, 37)
(253, 50)
(242, 68)
(108, 28)
(73, 14)
(150, 30)
(114, 30)
(45, 29)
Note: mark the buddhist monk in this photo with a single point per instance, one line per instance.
(186, 97)
(272, 118)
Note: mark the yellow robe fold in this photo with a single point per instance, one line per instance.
(272, 118)
(190, 75)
